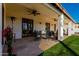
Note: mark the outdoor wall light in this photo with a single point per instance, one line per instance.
(55, 19)
(39, 22)
(12, 18)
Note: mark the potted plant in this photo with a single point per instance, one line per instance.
(8, 34)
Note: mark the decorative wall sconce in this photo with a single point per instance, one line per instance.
(66, 23)
(55, 19)
(12, 18)
(39, 22)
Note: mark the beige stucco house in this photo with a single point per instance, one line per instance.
(37, 17)
(24, 19)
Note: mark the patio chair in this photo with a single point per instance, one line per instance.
(56, 35)
(52, 34)
(43, 35)
(37, 35)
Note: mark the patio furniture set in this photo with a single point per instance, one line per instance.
(45, 35)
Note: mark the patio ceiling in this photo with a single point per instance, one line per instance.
(40, 7)
(67, 20)
(44, 11)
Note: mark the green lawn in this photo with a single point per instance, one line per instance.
(60, 50)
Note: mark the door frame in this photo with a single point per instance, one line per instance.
(27, 19)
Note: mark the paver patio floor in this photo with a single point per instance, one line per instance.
(29, 47)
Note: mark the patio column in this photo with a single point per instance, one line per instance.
(60, 27)
(0, 29)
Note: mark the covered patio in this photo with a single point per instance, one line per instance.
(36, 27)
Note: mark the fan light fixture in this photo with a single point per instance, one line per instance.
(32, 11)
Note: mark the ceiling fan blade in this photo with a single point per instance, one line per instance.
(37, 13)
(29, 13)
(32, 11)
(29, 8)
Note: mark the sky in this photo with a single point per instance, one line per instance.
(73, 10)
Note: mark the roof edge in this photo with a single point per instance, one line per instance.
(64, 11)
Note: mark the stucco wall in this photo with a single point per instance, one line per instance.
(19, 13)
(70, 26)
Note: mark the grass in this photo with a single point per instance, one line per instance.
(60, 50)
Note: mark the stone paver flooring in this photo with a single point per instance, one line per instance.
(30, 47)
(47, 43)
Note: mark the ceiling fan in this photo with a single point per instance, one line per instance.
(32, 11)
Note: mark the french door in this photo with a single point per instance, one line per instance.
(27, 27)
